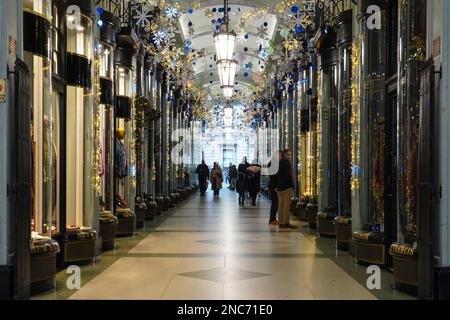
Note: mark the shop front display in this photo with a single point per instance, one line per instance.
(81, 144)
(125, 138)
(404, 251)
(330, 223)
(307, 145)
(372, 122)
(45, 138)
(104, 69)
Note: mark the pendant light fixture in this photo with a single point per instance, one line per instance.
(225, 41)
(228, 115)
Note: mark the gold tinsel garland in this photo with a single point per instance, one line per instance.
(355, 117)
(96, 179)
(319, 133)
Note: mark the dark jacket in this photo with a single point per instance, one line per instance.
(232, 172)
(284, 176)
(241, 183)
(254, 178)
(272, 181)
(243, 167)
(203, 172)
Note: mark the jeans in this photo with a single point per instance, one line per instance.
(241, 197)
(253, 196)
(216, 192)
(274, 206)
(284, 205)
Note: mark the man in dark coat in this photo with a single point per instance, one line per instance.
(285, 189)
(254, 181)
(203, 177)
(273, 191)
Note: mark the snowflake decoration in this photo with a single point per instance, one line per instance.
(297, 20)
(171, 12)
(288, 81)
(159, 38)
(242, 37)
(143, 16)
(261, 32)
(263, 55)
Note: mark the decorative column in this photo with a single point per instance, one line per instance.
(343, 28)
(327, 118)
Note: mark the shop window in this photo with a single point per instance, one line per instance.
(44, 121)
(125, 171)
(80, 117)
(105, 144)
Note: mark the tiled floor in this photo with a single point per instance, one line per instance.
(212, 249)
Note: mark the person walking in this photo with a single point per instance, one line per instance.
(216, 179)
(203, 177)
(241, 187)
(243, 166)
(272, 190)
(285, 188)
(254, 181)
(233, 174)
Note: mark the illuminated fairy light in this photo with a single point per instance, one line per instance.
(96, 179)
(319, 179)
(355, 118)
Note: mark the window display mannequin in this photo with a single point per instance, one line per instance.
(120, 161)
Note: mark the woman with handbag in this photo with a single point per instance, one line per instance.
(216, 179)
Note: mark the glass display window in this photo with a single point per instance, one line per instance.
(106, 59)
(124, 85)
(126, 175)
(105, 55)
(45, 126)
(80, 119)
(42, 8)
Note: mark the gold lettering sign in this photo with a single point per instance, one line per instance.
(403, 250)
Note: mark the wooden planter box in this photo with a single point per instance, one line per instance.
(42, 272)
(151, 212)
(108, 232)
(370, 253)
(79, 251)
(140, 217)
(312, 217)
(343, 236)
(160, 205)
(166, 204)
(126, 227)
(326, 227)
(301, 208)
(405, 260)
(406, 273)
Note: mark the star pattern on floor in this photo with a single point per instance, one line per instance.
(223, 275)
